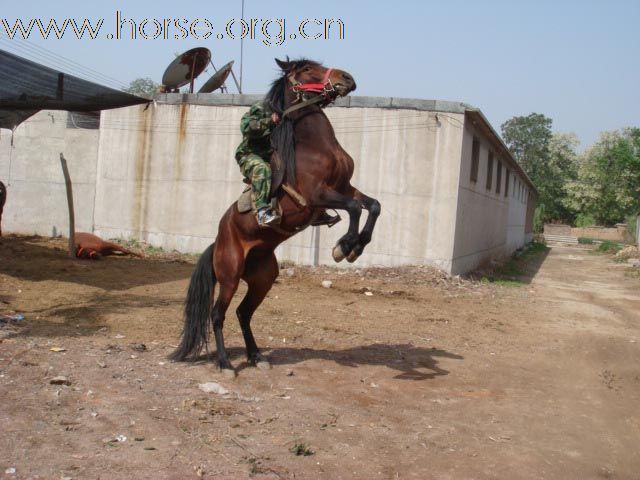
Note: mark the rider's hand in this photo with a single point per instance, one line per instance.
(275, 118)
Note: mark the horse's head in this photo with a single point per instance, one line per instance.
(331, 81)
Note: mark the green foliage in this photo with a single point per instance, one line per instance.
(142, 87)
(512, 272)
(301, 449)
(538, 216)
(607, 246)
(632, 226)
(599, 187)
(585, 240)
(528, 139)
(607, 186)
(549, 160)
(585, 220)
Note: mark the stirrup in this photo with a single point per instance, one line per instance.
(267, 217)
(326, 219)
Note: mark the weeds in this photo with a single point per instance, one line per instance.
(585, 241)
(632, 273)
(300, 449)
(509, 274)
(607, 246)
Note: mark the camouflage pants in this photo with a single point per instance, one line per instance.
(258, 171)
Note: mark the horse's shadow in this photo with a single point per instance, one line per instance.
(413, 363)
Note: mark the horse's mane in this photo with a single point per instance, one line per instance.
(283, 138)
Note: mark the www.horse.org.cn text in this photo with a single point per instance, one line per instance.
(270, 31)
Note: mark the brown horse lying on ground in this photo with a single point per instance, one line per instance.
(3, 199)
(319, 169)
(89, 246)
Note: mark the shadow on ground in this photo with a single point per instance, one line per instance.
(413, 363)
(521, 268)
(86, 317)
(109, 273)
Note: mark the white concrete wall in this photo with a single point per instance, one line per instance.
(517, 214)
(167, 174)
(407, 160)
(489, 226)
(36, 195)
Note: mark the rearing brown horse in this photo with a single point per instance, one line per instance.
(320, 170)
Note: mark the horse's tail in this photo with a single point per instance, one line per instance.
(197, 309)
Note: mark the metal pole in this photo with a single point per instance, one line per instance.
(72, 221)
(236, 81)
(193, 70)
(241, 53)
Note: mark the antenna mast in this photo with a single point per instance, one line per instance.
(241, 49)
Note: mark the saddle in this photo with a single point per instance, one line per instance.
(278, 174)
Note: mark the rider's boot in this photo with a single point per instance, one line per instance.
(266, 217)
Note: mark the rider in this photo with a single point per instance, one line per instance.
(253, 156)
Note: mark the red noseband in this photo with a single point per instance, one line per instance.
(324, 87)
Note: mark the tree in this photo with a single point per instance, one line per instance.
(562, 169)
(548, 160)
(607, 186)
(142, 87)
(528, 139)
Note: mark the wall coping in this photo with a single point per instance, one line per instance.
(246, 100)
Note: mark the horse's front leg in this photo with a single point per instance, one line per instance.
(373, 207)
(339, 201)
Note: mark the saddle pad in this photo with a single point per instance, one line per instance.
(244, 202)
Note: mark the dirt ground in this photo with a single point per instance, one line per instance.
(426, 377)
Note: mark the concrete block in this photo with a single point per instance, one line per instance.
(371, 102)
(413, 103)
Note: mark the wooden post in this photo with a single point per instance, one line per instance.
(72, 221)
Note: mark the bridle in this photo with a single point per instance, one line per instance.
(324, 90)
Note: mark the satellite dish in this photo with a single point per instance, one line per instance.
(186, 68)
(217, 80)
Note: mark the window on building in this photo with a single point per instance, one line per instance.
(475, 159)
(490, 171)
(506, 183)
(499, 177)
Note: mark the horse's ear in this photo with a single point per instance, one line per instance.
(284, 65)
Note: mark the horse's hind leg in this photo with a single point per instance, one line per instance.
(260, 273)
(228, 265)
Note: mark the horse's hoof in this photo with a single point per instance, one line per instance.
(263, 365)
(353, 256)
(338, 254)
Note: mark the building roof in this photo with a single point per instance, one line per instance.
(27, 87)
(478, 120)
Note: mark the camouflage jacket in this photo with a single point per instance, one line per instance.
(256, 127)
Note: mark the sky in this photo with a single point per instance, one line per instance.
(576, 62)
